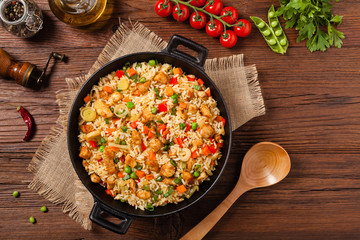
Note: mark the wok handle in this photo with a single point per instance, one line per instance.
(120, 228)
(177, 40)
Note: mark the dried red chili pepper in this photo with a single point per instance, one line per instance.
(29, 120)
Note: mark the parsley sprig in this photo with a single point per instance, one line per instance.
(310, 17)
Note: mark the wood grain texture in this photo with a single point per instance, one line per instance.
(312, 102)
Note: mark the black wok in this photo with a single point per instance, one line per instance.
(104, 202)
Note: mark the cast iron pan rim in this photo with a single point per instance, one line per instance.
(214, 180)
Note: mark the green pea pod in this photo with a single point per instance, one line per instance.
(273, 34)
(277, 29)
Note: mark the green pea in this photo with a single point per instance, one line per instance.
(283, 42)
(152, 63)
(182, 126)
(124, 128)
(274, 23)
(138, 167)
(271, 14)
(123, 142)
(159, 179)
(272, 41)
(116, 160)
(261, 25)
(130, 104)
(267, 32)
(124, 68)
(177, 180)
(122, 200)
(32, 220)
(171, 71)
(142, 80)
(128, 169)
(194, 126)
(16, 194)
(133, 175)
(101, 148)
(117, 140)
(175, 97)
(107, 121)
(154, 110)
(196, 174)
(173, 111)
(103, 140)
(43, 209)
(278, 32)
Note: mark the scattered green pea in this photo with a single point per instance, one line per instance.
(152, 63)
(182, 126)
(124, 68)
(124, 128)
(43, 209)
(101, 148)
(196, 174)
(194, 126)
(142, 80)
(133, 175)
(138, 167)
(103, 140)
(16, 194)
(128, 169)
(116, 160)
(159, 179)
(122, 200)
(267, 32)
(130, 104)
(32, 220)
(123, 142)
(107, 121)
(173, 111)
(154, 110)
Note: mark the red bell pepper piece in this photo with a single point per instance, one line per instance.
(194, 154)
(143, 147)
(122, 159)
(191, 79)
(93, 144)
(200, 82)
(133, 125)
(188, 127)
(173, 81)
(119, 73)
(180, 142)
(162, 107)
(213, 148)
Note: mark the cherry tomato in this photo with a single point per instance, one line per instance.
(229, 15)
(198, 3)
(243, 28)
(215, 28)
(199, 21)
(163, 10)
(215, 7)
(181, 14)
(228, 39)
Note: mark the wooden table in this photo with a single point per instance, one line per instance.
(313, 110)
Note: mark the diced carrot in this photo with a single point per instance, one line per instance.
(136, 93)
(152, 156)
(87, 99)
(149, 176)
(200, 81)
(120, 175)
(131, 72)
(208, 92)
(115, 149)
(126, 99)
(182, 105)
(133, 125)
(151, 133)
(205, 150)
(110, 131)
(108, 89)
(162, 127)
(181, 189)
(145, 129)
(140, 174)
(177, 71)
(108, 191)
(165, 133)
(143, 147)
(221, 119)
(179, 141)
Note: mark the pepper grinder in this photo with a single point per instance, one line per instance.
(25, 74)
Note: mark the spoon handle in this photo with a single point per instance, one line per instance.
(203, 227)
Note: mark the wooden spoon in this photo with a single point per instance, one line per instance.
(264, 164)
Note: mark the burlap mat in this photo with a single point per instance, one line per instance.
(55, 178)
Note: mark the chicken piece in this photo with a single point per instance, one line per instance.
(143, 194)
(102, 109)
(161, 77)
(110, 182)
(192, 109)
(188, 177)
(153, 165)
(95, 178)
(217, 138)
(108, 158)
(169, 181)
(87, 128)
(190, 164)
(169, 91)
(202, 94)
(182, 114)
(104, 95)
(85, 152)
(135, 136)
(167, 170)
(130, 161)
(172, 152)
(202, 176)
(147, 115)
(93, 135)
(155, 144)
(197, 142)
(143, 87)
(205, 110)
(116, 97)
(132, 184)
(85, 165)
(189, 95)
(207, 131)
